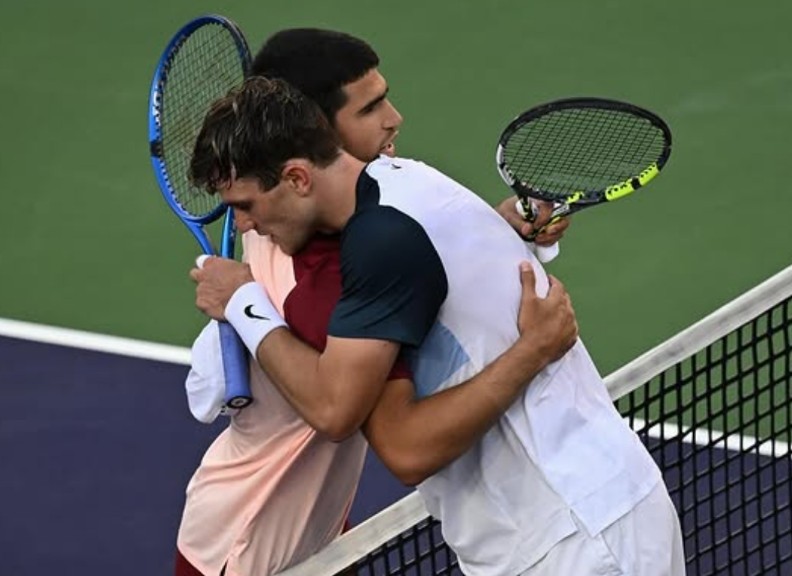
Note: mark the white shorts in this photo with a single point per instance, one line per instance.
(647, 541)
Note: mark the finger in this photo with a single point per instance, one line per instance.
(528, 279)
(554, 281)
(525, 229)
(544, 212)
(552, 233)
(195, 275)
(546, 239)
(512, 216)
(559, 226)
(557, 288)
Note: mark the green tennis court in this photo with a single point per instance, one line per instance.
(87, 241)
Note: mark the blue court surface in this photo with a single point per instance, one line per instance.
(97, 449)
(98, 446)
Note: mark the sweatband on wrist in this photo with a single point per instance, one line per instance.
(252, 315)
(544, 253)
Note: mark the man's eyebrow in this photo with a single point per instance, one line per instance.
(373, 102)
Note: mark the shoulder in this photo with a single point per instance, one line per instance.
(384, 237)
(393, 280)
(379, 225)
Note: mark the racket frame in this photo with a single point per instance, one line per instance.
(571, 202)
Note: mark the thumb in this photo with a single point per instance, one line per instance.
(528, 278)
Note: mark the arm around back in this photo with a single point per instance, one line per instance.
(417, 437)
(334, 391)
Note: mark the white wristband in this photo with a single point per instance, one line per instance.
(252, 315)
(544, 253)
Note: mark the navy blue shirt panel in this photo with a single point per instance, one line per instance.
(393, 280)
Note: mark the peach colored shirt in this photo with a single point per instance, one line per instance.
(270, 491)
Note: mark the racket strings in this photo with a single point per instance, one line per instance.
(206, 66)
(585, 149)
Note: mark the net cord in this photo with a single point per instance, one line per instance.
(410, 510)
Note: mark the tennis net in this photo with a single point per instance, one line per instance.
(713, 405)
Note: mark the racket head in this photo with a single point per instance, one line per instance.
(205, 59)
(582, 151)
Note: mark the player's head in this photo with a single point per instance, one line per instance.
(338, 72)
(258, 147)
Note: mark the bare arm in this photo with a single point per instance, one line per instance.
(333, 391)
(417, 437)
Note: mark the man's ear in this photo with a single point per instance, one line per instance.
(297, 175)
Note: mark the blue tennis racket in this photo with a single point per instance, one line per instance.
(204, 60)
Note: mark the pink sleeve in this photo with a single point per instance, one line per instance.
(271, 268)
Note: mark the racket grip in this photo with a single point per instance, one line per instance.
(529, 211)
(235, 368)
(526, 208)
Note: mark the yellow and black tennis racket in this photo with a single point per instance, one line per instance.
(580, 152)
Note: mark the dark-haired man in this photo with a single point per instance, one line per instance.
(557, 485)
(326, 66)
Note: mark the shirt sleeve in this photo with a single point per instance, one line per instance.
(393, 280)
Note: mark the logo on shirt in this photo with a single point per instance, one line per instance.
(249, 313)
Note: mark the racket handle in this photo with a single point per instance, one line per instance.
(529, 211)
(235, 368)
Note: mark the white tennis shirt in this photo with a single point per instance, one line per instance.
(562, 447)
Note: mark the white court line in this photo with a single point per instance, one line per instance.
(715, 439)
(96, 342)
(180, 355)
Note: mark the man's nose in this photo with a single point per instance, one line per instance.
(242, 222)
(393, 118)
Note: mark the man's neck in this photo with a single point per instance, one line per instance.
(337, 186)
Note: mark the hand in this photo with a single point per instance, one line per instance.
(216, 281)
(547, 325)
(546, 236)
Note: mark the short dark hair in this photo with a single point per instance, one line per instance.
(318, 62)
(254, 130)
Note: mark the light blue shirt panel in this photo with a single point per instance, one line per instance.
(436, 360)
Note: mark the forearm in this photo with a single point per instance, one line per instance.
(293, 367)
(334, 391)
(417, 437)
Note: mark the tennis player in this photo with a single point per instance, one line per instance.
(271, 490)
(560, 484)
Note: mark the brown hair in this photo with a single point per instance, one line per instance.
(254, 130)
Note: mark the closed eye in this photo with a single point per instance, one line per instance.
(372, 105)
(241, 206)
